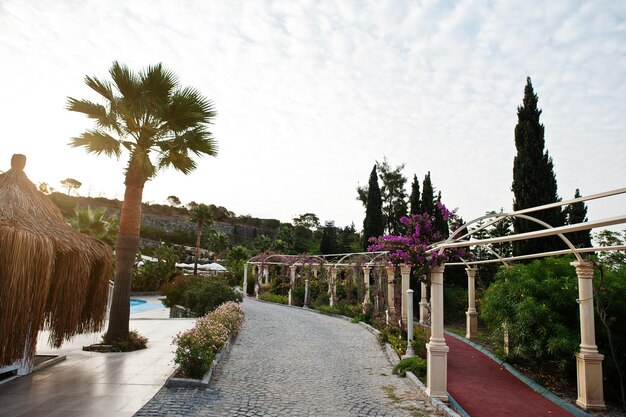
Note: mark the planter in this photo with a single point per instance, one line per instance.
(173, 381)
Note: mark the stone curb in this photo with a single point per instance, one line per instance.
(437, 403)
(204, 382)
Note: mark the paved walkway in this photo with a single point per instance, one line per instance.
(90, 384)
(292, 362)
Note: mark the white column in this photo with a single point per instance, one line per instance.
(266, 274)
(316, 269)
(409, 326)
(366, 281)
(588, 360)
(292, 280)
(405, 271)
(306, 293)
(332, 285)
(423, 303)
(245, 279)
(437, 365)
(391, 271)
(471, 326)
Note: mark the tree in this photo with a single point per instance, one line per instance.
(95, 223)
(577, 213)
(415, 205)
(393, 195)
(45, 188)
(373, 224)
(329, 240)
(70, 184)
(441, 224)
(174, 201)
(218, 243)
(534, 182)
(362, 194)
(159, 125)
(201, 216)
(428, 196)
(307, 220)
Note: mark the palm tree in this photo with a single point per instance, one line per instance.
(201, 216)
(93, 222)
(158, 124)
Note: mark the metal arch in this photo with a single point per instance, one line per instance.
(499, 217)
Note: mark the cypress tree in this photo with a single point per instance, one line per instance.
(534, 182)
(577, 213)
(373, 225)
(414, 199)
(328, 244)
(441, 225)
(428, 196)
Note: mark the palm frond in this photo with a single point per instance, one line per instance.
(140, 160)
(178, 160)
(89, 108)
(157, 83)
(199, 141)
(186, 109)
(98, 142)
(126, 81)
(101, 87)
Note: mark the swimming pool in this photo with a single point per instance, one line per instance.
(134, 302)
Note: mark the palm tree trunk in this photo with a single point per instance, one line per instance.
(126, 247)
(198, 240)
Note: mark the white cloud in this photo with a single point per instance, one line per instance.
(310, 94)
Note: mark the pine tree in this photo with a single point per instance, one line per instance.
(373, 225)
(534, 182)
(414, 199)
(428, 196)
(577, 213)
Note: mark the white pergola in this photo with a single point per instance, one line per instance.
(588, 359)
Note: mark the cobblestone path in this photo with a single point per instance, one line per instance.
(297, 363)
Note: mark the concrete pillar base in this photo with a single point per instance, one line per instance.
(289, 302)
(437, 372)
(590, 389)
(471, 324)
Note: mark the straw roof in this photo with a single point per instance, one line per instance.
(51, 276)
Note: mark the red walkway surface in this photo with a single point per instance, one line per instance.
(483, 388)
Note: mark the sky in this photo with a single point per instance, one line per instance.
(310, 94)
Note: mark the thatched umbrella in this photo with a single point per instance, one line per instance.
(51, 276)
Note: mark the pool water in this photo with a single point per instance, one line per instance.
(139, 306)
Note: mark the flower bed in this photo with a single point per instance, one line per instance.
(196, 348)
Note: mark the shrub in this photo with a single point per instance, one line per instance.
(537, 303)
(196, 348)
(135, 341)
(203, 294)
(230, 315)
(415, 365)
(173, 291)
(274, 298)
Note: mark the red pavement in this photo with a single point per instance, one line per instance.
(483, 388)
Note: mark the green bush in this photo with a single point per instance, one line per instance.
(348, 310)
(536, 302)
(455, 303)
(174, 290)
(415, 365)
(203, 294)
(274, 298)
(134, 341)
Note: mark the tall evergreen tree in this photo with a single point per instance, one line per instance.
(534, 182)
(577, 213)
(373, 225)
(441, 225)
(393, 195)
(328, 244)
(428, 196)
(414, 198)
